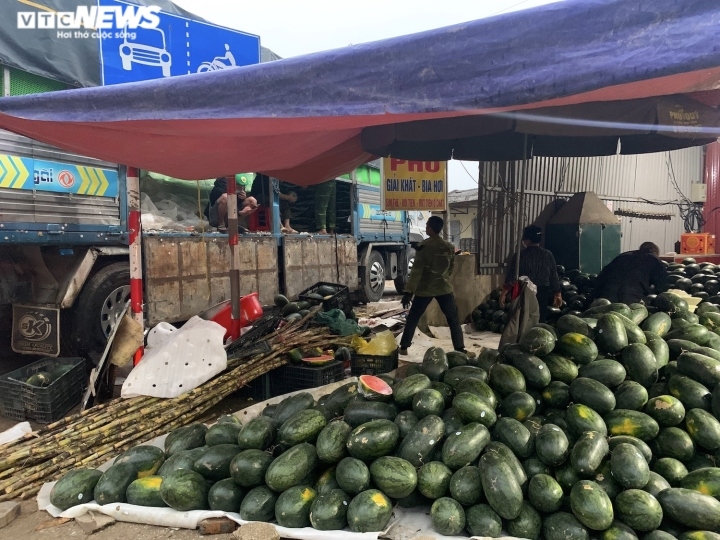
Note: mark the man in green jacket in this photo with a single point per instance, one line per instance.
(430, 278)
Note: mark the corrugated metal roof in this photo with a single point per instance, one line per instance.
(458, 196)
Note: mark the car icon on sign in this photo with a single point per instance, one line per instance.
(145, 46)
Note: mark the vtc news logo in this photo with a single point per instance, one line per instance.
(91, 17)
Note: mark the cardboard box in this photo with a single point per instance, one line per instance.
(697, 243)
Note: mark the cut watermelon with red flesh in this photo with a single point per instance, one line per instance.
(372, 387)
(319, 360)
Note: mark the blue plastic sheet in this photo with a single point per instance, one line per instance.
(300, 119)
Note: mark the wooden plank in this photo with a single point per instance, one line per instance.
(185, 276)
(308, 260)
(161, 257)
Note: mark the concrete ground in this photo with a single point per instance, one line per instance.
(35, 525)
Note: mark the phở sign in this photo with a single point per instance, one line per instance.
(414, 185)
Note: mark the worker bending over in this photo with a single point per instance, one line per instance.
(430, 278)
(631, 275)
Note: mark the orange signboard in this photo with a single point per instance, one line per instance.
(414, 185)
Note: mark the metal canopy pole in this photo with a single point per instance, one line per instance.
(519, 206)
(233, 241)
(132, 178)
(478, 213)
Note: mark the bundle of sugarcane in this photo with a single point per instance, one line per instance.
(92, 437)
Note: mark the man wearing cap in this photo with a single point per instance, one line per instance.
(216, 209)
(538, 265)
(430, 278)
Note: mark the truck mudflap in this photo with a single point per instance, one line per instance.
(36, 330)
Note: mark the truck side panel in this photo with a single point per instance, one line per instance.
(308, 260)
(184, 275)
(52, 197)
(376, 224)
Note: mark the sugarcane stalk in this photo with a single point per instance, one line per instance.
(95, 457)
(55, 426)
(62, 460)
(28, 492)
(73, 440)
(101, 419)
(82, 414)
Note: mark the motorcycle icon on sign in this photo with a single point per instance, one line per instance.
(219, 62)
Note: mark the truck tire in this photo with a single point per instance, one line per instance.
(97, 309)
(401, 280)
(372, 283)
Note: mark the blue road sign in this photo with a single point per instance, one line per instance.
(177, 46)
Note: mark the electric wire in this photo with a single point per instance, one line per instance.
(690, 213)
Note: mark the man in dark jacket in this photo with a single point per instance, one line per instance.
(538, 264)
(630, 275)
(430, 278)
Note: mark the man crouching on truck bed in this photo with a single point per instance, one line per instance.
(216, 209)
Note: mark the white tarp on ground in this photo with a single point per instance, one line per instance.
(406, 524)
(15, 432)
(182, 361)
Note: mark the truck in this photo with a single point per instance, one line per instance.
(64, 255)
(65, 227)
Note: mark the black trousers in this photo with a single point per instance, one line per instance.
(543, 297)
(449, 309)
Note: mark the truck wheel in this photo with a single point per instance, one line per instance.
(98, 309)
(401, 280)
(373, 281)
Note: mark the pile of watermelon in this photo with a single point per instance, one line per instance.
(601, 426)
(577, 289)
(698, 280)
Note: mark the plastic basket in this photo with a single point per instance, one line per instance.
(370, 364)
(260, 220)
(22, 401)
(291, 378)
(261, 328)
(11, 402)
(258, 389)
(340, 300)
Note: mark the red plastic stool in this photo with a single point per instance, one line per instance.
(250, 311)
(260, 220)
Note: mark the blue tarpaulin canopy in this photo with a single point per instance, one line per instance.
(633, 75)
